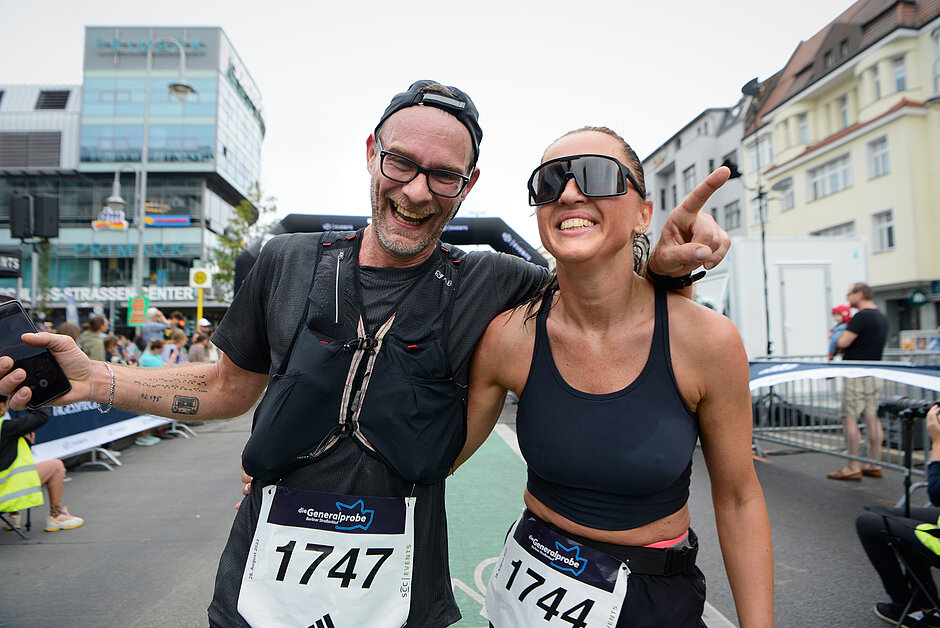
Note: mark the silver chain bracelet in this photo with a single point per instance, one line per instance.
(111, 397)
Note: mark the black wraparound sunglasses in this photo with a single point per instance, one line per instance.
(595, 175)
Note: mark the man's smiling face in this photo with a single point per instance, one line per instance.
(407, 218)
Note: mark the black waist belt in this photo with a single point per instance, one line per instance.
(651, 561)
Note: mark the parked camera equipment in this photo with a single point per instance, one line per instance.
(905, 406)
(907, 410)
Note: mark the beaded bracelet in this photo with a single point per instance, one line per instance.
(111, 397)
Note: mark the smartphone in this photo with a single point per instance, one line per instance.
(44, 376)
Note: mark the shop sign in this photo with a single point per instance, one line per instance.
(11, 261)
(110, 220)
(140, 46)
(137, 311)
(84, 294)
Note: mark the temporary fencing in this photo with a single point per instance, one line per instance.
(796, 404)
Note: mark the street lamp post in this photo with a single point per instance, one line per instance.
(181, 89)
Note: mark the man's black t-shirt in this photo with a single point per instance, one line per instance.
(872, 329)
(256, 333)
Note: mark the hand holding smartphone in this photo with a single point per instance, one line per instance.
(44, 376)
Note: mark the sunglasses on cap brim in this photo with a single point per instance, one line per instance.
(596, 175)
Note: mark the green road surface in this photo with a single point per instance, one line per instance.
(484, 497)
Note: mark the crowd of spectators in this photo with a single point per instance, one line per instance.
(161, 341)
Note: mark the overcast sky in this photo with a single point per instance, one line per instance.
(535, 69)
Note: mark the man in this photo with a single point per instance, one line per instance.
(863, 339)
(16, 459)
(364, 351)
(155, 326)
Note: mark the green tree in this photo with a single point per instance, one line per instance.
(250, 220)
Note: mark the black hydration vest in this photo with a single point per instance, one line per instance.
(390, 388)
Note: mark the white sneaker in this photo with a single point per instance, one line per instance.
(64, 521)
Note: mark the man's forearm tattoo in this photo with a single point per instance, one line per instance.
(184, 405)
(183, 383)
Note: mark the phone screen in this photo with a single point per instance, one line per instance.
(44, 376)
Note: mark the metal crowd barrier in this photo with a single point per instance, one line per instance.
(805, 414)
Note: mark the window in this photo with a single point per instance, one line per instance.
(882, 231)
(688, 179)
(675, 196)
(878, 161)
(1, 96)
(52, 100)
(876, 77)
(802, 122)
(706, 127)
(732, 215)
(843, 48)
(846, 229)
(761, 153)
(662, 199)
(787, 200)
(711, 165)
(844, 111)
(829, 178)
(900, 74)
(827, 59)
(756, 217)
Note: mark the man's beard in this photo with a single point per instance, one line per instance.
(381, 223)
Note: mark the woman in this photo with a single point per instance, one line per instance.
(616, 380)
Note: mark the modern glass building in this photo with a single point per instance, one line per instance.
(202, 157)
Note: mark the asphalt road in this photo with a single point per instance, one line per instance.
(155, 527)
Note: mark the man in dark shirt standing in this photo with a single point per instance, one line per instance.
(863, 339)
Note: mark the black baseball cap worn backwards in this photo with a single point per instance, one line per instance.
(459, 105)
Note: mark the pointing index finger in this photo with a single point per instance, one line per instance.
(696, 199)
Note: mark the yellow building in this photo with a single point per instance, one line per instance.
(845, 140)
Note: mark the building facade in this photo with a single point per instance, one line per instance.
(845, 141)
(202, 157)
(685, 159)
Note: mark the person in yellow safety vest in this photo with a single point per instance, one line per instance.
(21, 480)
(916, 538)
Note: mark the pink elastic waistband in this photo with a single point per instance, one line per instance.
(670, 542)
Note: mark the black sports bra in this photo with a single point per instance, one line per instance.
(613, 461)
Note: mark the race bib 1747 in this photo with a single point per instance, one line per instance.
(329, 561)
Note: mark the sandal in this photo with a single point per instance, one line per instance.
(844, 474)
(874, 472)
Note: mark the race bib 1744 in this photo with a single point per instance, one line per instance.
(545, 579)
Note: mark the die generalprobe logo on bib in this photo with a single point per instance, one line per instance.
(561, 558)
(347, 517)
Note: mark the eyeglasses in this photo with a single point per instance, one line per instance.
(596, 175)
(403, 170)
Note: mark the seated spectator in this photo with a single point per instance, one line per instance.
(15, 437)
(90, 342)
(197, 351)
(874, 538)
